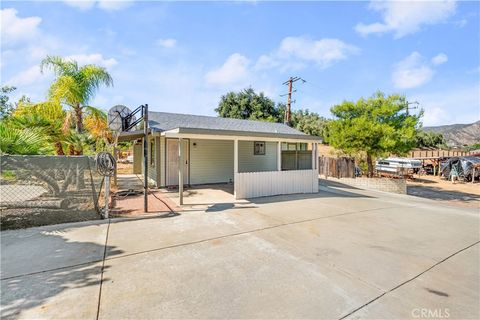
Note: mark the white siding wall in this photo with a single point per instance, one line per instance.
(248, 162)
(211, 161)
(260, 184)
(152, 167)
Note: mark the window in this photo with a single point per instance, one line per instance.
(152, 152)
(259, 148)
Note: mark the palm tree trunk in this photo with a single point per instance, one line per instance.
(71, 150)
(79, 117)
(59, 149)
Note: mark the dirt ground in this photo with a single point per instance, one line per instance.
(124, 168)
(464, 194)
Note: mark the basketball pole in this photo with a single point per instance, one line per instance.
(145, 157)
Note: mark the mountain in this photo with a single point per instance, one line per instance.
(459, 134)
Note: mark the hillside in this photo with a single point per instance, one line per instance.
(459, 134)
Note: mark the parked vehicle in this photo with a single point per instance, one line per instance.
(398, 167)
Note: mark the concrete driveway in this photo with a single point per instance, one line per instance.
(343, 253)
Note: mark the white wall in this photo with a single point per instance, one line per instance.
(211, 161)
(260, 184)
(248, 162)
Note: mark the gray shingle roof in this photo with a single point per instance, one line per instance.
(163, 121)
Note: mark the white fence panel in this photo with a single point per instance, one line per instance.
(269, 183)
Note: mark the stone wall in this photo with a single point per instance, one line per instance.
(378, 184)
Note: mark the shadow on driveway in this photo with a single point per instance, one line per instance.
(41, 263)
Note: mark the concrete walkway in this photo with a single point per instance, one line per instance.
(343, 253)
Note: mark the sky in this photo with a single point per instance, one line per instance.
(183, 56)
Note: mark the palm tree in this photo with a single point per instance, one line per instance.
(75, 86)
(22, 141)
(48, 117)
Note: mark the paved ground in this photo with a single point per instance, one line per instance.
(343, 253)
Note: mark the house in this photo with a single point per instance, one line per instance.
(259, 158)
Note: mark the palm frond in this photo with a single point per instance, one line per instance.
(59, 65)
(23, 141)
(92, 77)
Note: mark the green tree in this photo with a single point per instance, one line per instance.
(247, 104)
(430, 140)
(47, 117)
(308, 122)
(75, 86)
(5, 105)
(375, 127)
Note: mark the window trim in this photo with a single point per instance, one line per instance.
(255, 153)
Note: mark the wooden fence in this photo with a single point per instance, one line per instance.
(336, 167)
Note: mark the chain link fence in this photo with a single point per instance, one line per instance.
(42, 190)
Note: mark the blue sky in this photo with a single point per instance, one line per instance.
(182, 56)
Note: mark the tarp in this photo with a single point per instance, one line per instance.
(461, 165)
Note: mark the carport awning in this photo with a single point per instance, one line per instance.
(131, 135)
(232, 134)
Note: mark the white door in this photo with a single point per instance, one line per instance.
(173, 159)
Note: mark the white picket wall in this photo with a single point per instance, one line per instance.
(269, 183)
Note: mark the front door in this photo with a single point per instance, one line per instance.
(172, 162)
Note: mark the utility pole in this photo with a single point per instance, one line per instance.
(288, 112)
(145, 158)
(409, 103)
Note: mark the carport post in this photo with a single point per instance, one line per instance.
(180, 170)
(235, 166)
(314, 154)
(279, 156)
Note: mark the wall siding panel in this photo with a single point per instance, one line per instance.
(248, 162)
(211, 161)
(268, 183)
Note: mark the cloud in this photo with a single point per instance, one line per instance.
(296, 52)
(234, 70)
(406, 17)
(415, 70)
(26, 77)
(16, 30)
(95, 58)
(108, 5)
(80, 4)
(166, 43)
(114, 5)
(439, 59)
(438, 105)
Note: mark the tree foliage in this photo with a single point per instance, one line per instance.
(375, 127)
(308, 122)
(5, 105)
(75, 86)
(22, 141)
(426, 139)
(247, 104)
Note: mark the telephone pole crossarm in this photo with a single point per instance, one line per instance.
(288, 112)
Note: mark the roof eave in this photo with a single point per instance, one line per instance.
(236, 133)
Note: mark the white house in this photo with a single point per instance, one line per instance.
(259, 158)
